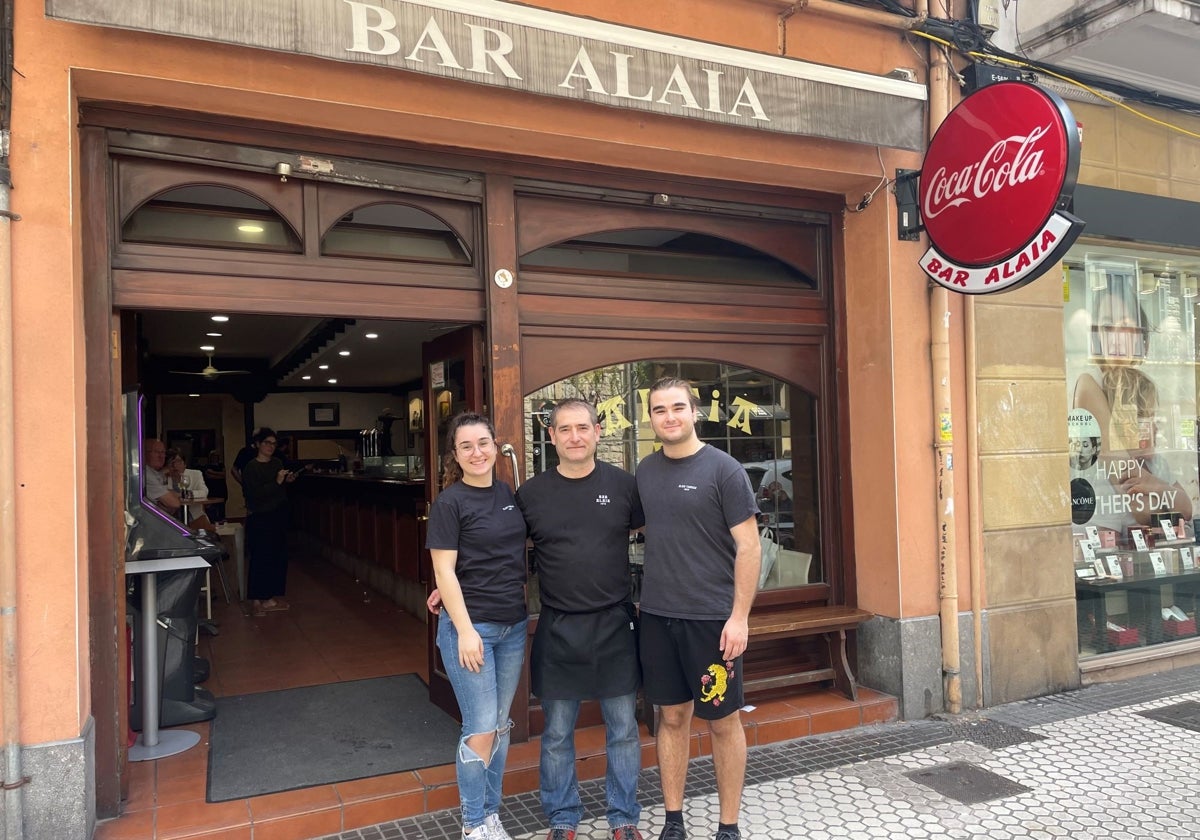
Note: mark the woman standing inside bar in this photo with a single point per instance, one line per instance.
(263, 481)
(476, 538)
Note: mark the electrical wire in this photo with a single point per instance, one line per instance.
(1038, 67)
(869, 197)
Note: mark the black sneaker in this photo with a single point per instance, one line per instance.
(728, 834)
(673, 831)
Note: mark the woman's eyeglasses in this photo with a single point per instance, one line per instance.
(466, 448)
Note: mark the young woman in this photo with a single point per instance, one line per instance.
(476, 538)
(263, 481)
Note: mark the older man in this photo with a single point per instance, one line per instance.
(154, 476)
(579, 516)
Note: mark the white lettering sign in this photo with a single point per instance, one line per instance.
(538, 51)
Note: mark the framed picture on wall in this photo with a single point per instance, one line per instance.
(416, 413)
(324, 414)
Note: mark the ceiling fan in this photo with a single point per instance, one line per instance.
(210, 371)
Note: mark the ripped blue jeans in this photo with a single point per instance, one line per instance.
(484, 699)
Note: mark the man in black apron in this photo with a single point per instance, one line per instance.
(579, 517)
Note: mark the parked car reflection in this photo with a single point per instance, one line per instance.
(772, 483)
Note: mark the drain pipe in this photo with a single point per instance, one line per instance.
(14, 780)
(975, 504)
(943, 432)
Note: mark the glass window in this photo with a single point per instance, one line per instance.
(210, 217)
(1129, 334)
(392, 231)
(659, 253)
(766, 424)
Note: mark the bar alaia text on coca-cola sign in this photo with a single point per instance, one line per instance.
(996, 178)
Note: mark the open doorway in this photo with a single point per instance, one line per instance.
(346, 402)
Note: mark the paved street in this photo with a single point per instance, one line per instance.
(1119, 761)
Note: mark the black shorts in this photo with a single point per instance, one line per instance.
(681, 661)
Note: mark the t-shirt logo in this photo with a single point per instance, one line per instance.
(603, 499)
(687, 488)
(509, 507)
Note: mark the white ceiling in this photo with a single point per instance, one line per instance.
(393, 358)
(1150, 44)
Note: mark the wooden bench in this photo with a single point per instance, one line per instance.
(829, 622)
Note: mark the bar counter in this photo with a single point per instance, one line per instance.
(370, 525)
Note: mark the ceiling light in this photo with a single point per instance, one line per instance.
(193, 395)
(332, 381)
(372, 335)
(322, 367)
(213, 335)
(220, 318)
(306, 378)
(207, 348)
(343, 352)
(251, 228)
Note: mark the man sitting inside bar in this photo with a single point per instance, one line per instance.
(156, 488)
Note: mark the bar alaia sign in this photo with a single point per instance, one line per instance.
(547, 53)
(996, 179)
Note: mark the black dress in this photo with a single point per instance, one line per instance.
(266, 529)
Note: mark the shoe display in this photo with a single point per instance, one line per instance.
(673, 831)
(496, 827)
(626, 832)
(561, 834)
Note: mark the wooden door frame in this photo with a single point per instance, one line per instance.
(496, 307)
(466, 343)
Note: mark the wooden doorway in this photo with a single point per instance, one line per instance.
(453, 366)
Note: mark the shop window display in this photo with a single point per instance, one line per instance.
(1131, 424)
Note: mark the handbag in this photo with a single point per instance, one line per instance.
(770, 553)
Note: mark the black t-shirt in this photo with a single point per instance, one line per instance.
(580, 531)
(485, 527)
(690, 553)
(261, 485)
(245, 455)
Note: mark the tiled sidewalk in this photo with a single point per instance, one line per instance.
(1088, 765)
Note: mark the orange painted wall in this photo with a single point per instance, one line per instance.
(61, 64)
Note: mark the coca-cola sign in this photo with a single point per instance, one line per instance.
(998, 173)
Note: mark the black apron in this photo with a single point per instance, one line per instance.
(585, 656)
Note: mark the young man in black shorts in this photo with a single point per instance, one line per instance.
(701, 574)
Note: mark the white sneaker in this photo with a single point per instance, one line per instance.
(483, 831)
(497, 828)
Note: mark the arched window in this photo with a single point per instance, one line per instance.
(391, 231)
(768, 425)
(652, 252)
(210, 216)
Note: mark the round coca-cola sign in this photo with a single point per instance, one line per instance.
(998, 172)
